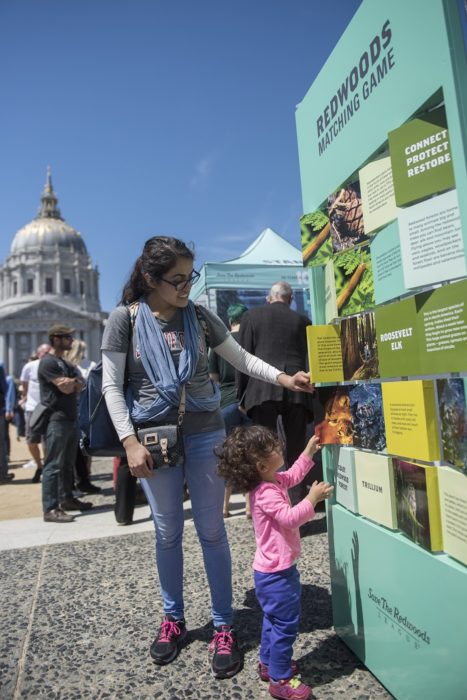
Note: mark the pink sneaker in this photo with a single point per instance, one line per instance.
(263, 670)
(290, 689)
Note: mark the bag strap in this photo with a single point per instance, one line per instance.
(182, 406)
(205, 329)
(133, 310)
(203, 324)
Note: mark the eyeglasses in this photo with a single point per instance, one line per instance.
(180, 286)
(68, 336)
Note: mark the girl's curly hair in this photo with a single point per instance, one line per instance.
(244, 447)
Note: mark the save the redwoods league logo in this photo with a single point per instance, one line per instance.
(398, 617)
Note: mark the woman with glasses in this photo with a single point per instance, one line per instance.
(150, 351)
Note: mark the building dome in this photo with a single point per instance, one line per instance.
(42, 233)
(47, 278)
(48, 229)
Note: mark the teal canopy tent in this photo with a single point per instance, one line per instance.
(270, 258)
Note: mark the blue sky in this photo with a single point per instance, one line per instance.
(171, 117)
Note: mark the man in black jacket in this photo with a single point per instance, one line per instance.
(277, 334)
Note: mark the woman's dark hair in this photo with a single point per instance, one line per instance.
(160, 254)
(242, 450)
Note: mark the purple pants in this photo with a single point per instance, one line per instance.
(279, 596)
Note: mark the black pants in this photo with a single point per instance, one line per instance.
(81, 468)
(125, 493)
(57, 473)
(294, 425)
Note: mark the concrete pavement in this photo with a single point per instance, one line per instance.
(80, 606)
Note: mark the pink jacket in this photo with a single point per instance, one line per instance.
(276, 522)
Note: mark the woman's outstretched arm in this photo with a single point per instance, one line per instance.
(253, 366)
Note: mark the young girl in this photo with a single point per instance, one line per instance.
(250, 459)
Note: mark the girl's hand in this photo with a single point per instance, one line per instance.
(300, 381)
(319, 492)
(139, 458)
(312, 447)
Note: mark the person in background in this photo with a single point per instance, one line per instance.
(277, 334)
(60, 382)
(18, 419)
(77, 356)
(5, 477)
(223, 373)
(30, 391)
(10, 408)
(251, 458)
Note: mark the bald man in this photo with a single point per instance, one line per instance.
(277, 334)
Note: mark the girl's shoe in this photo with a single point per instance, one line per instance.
(263, 670)
(290, 689)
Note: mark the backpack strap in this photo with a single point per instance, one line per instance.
(203, 324)
(133, 310)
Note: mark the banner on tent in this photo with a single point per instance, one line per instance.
(234, 276)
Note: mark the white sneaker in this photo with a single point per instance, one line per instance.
(30, 465)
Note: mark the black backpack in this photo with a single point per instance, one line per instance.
(98, 435)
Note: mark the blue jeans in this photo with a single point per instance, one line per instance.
(279, 596)
(164, 492)
(61, 440)
(233, 417)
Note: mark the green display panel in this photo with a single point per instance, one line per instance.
(421, 158)
(401, 609)
(387, 69)
(442, 318)
(388, 114)
(424, 334)
(396, 336)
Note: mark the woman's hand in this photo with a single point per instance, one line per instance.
(138, 457)
(300, 381)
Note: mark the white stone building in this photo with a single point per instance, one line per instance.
(47, 278)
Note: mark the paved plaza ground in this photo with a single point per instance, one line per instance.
(80, 606)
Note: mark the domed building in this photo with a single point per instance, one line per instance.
(47, 278)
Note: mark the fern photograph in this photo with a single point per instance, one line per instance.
(354, 281)
(315, 236)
